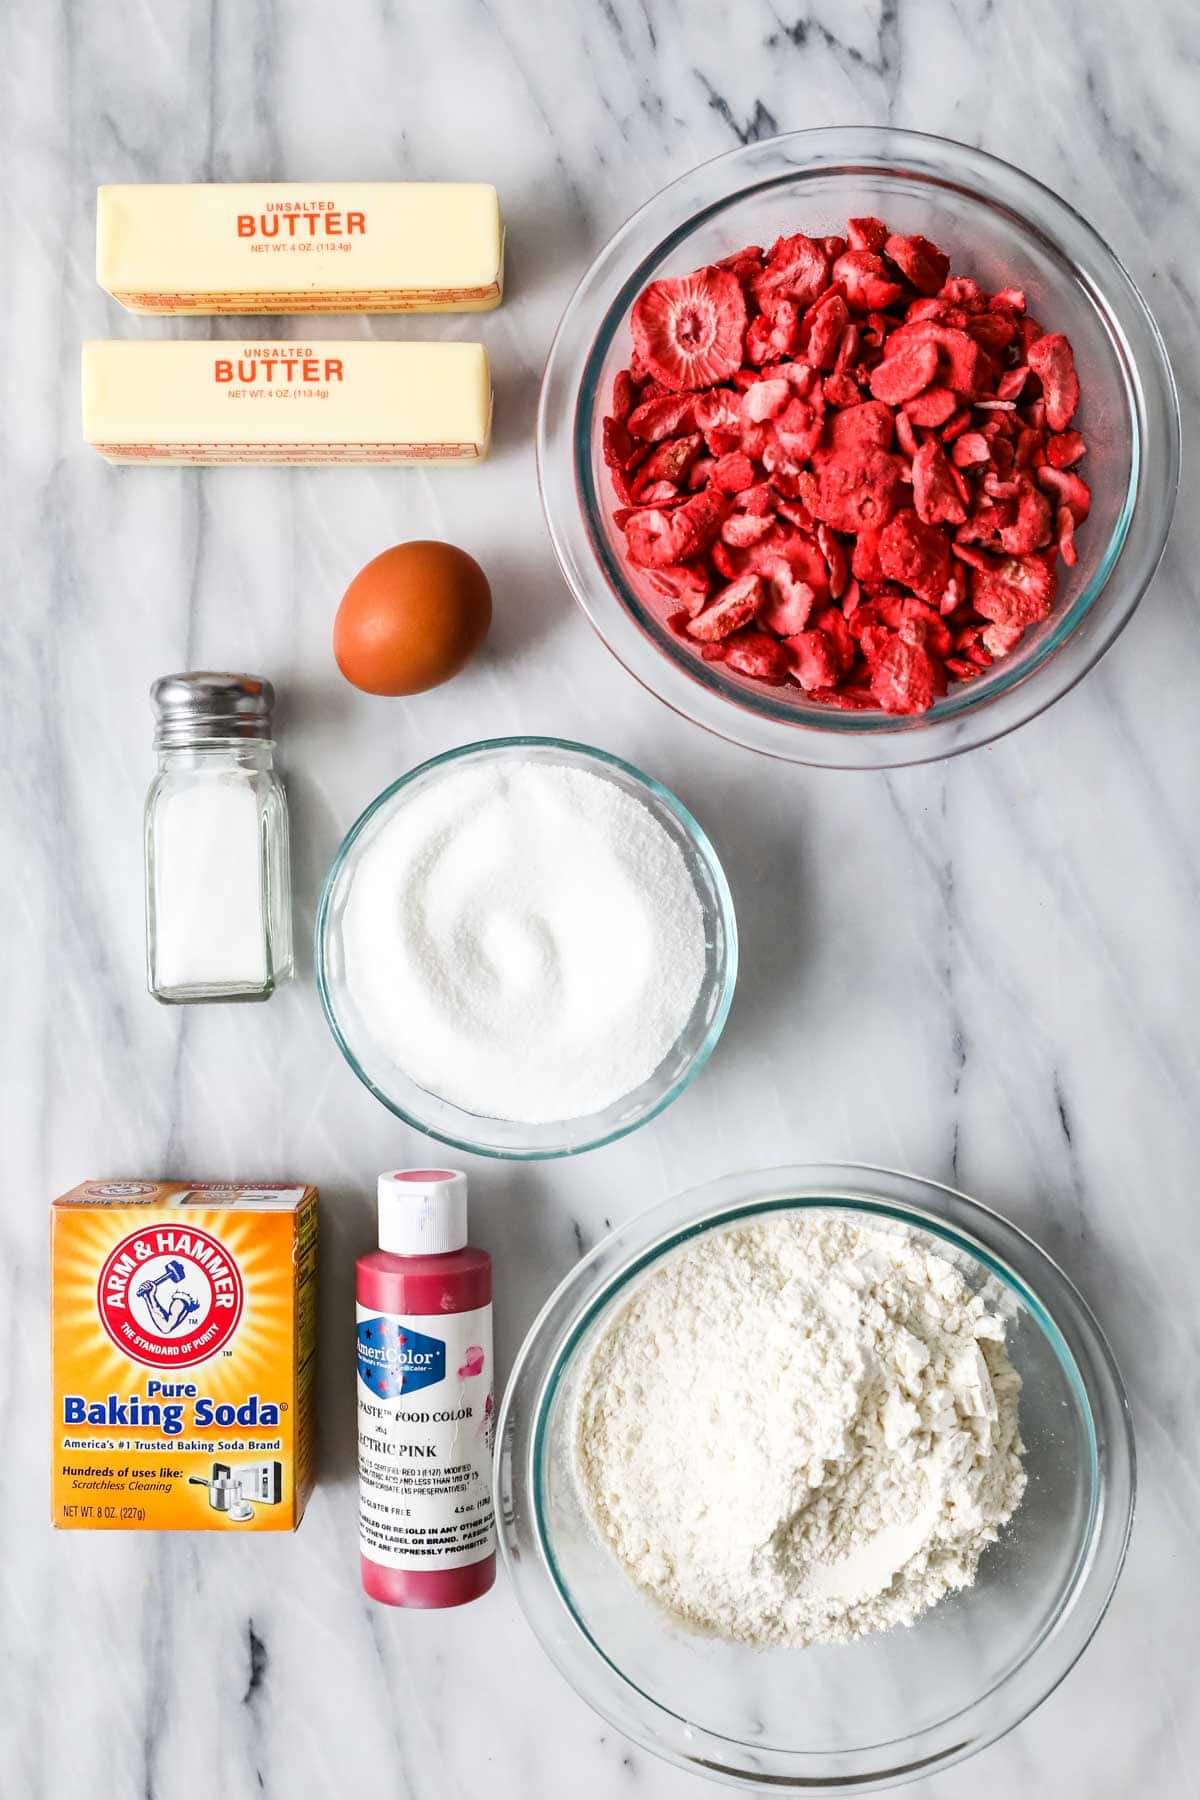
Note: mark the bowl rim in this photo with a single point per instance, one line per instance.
(971, 1227)
(655, 795)
(969, 716)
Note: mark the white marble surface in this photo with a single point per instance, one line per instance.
(1025, 1023)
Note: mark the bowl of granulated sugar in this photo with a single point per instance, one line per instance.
(526, 948)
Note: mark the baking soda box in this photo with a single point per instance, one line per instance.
(183, 1324)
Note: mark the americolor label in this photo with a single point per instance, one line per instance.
(183, 1321)
(425, 1418)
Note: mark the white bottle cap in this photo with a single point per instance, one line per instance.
(422, 1212)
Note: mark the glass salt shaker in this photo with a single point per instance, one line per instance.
(218, 880)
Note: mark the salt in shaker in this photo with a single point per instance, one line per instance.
(218, 881)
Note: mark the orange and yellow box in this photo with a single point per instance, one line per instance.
(183, 1321)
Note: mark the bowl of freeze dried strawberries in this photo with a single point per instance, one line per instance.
(858, 447)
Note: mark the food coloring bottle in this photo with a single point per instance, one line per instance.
(425, 1402)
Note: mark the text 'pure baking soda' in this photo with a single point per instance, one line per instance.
(183, 1320)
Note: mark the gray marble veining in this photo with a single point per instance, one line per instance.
(1025, 1026)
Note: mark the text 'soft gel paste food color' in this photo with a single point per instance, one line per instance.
(425, 1398)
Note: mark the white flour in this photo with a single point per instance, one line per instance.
(524, 940)
(801, 1431)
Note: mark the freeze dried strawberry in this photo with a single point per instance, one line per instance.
(786, 602)
(966, 365)
(670, 461)
(742, 529)
(654, 420)
(797, 270)
(622, 396)
(1008, 300)
(1012, 382)
(616, 444)
(856, 488)
(656, 538)
(688, 583)
(1051, 360)
(728, 610)
(961, 291)
(1065, 449)
(1065, 524)
(800, 553)
(690, 332)
(700, 471)
(864, 560)
(733, 473)
(869, 287)
(920, 261)
(756, 654)
(961, 669)
(833, 624)
(866, 234)
(903, 374)
(759, 499)
(835, 558)
(798, 430)
(865, 426)
(656, 493)
(1000, 639)
(916, 621)
(905, 678)
(906, 437)
(764, 399)
(814, 660)
(935, 496)
(1018, 591)
(932, 407)
(1030, 529)
(970, 448)
(720, 409)
(824, 326)
(840, 389)
(1069, 490)
(745, 264)
(915, 554)
(833, 247)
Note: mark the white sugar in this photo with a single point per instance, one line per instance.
(524, 940)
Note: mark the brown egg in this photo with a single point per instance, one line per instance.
(412, 618)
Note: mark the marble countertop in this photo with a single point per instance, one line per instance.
(1025, 1027)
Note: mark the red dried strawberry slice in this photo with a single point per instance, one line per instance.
(1065, 524)
(856, 489)
(1052, 362)
(864, 426)
(669, 461)
(970, 447)
(755, 654)
(688, 583)
(932, 408)
(869, 287)
(833, 624)
(690, 332)
(935, 496)
(814, 660)
(1065, 449)
(654, 420)
(720, 409)
(825, 325)
(1018, 591)
(773, 334)
(1030, 530)
(903, 375)
(798, 429)
(764, 399)
(728, 611)
(622, 396)
(866, 234)
(905, 678)
(733, 473)
(797, 270)
(1000, 639)
(915, 554)
(864, 560)
(656, 538)
(919, 260)
(742, 529)
(787, 602)
(1069, 490)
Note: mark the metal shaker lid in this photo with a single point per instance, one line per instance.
(200, 706)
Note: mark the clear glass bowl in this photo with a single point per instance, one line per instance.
(505, 1137)
(885, 1709)
(996, 224)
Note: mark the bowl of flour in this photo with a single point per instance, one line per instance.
(817, 1478)
(526, 947)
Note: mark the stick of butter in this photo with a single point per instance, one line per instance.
(331, 401)
(293, 247)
